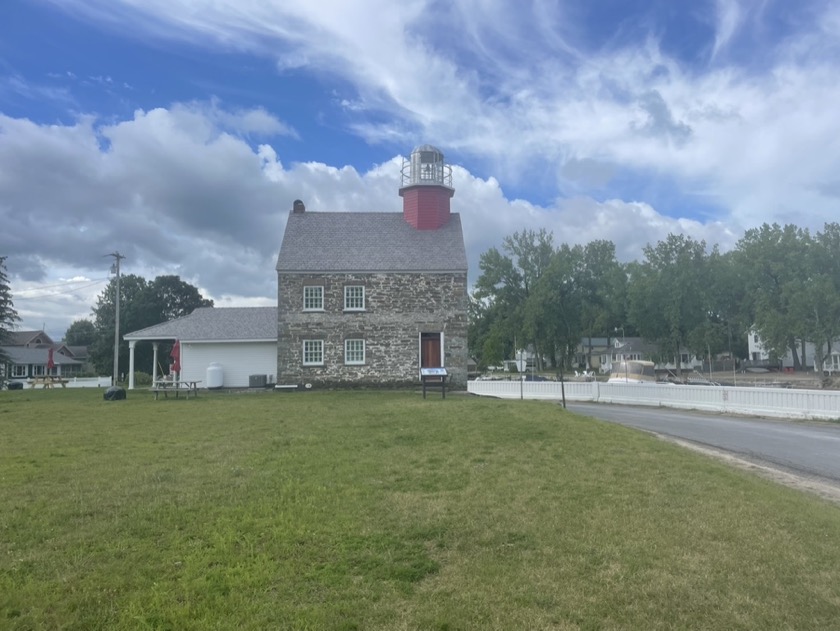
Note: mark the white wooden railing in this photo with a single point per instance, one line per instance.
(774, 402)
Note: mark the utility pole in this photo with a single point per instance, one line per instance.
(115, 269)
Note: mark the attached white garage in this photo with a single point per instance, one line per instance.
(242, 340)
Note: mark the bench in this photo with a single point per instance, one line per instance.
(177, 387)
(48, 382)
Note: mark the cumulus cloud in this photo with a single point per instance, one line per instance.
(176, 193)
(523, 91)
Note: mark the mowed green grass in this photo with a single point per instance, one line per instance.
(382, 510)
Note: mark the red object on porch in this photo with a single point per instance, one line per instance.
(176, 357)
(50, 361)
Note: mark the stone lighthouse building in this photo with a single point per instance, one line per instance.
(370, 298)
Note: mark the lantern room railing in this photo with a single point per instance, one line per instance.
(432, 173)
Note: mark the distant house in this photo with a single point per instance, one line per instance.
(371, 298)
(79, 353)
(812, 357)
(637, 348)
(241, 340)
(29, 339)
(592, 351)
(29, 356)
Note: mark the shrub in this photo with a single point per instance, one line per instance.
(142, 379)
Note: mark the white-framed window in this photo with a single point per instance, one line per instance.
(354, 352)
(38, 370)
(313, 352)
(313, 298)
(354, 298)
(19, 370)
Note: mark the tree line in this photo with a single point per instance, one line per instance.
(781, 282)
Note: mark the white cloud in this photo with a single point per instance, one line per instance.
(518, 89)
(176, 194)
(521, 90)
(729, 18)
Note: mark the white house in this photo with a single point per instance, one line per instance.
(242, 340)
(29, 354)
(761, 356)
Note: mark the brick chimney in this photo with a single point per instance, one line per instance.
(426, 188)
(298, 208)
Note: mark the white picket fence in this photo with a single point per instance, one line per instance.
(76, 382)
(773, 402)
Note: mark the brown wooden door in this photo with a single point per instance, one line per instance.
(430, 350)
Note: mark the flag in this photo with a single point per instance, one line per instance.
(176, 357)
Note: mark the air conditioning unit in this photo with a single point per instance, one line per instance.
(257, 381)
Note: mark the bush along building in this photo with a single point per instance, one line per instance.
(370, 298)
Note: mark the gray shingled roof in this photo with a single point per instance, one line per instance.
(22, 338)
(208, 324)
(369, 242)
(22, 355)
(78, 351)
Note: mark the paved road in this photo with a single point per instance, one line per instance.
(804, 448)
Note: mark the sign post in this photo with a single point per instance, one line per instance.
(434, 378)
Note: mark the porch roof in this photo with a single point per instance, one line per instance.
(214, 324)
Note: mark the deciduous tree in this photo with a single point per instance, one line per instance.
(80, 333)
(502, 292)
(819, 308)
(668, 298)
(142, 304)
(776, 266)
(602, 284)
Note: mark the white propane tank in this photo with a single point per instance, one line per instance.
(215, 375)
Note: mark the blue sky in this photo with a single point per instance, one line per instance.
(179, 131)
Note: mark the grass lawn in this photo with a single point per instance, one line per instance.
(381, 510)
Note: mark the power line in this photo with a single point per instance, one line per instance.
(18, 298)
(66, 282)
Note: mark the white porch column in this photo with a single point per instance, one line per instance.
(131, 345)
(154, 362)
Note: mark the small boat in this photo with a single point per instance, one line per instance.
(632, 371)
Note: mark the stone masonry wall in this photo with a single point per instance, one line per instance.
(398, 307)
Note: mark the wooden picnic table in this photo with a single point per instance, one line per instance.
(166, 386)
(48, 381)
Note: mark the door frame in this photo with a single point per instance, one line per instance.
(420, 349)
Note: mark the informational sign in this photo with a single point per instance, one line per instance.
(433, 372)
